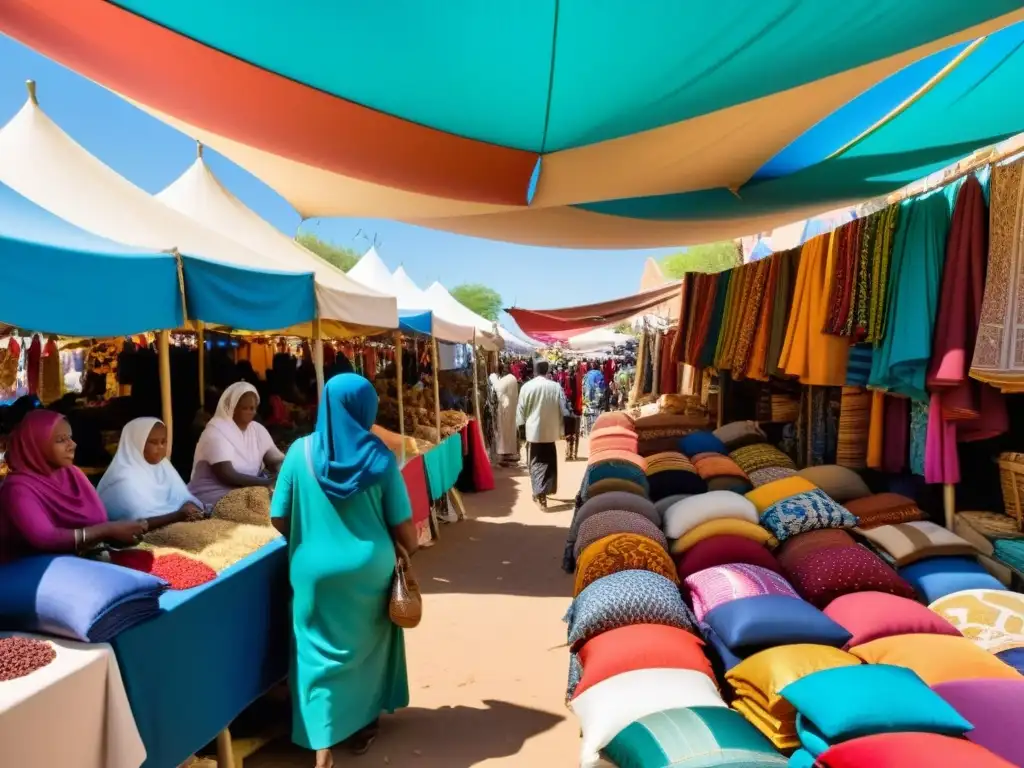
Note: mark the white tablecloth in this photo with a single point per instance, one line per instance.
(72, 713)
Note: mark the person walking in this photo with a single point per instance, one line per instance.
(541, 412)
(506, 387)
(343, 507)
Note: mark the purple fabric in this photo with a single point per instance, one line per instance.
(39, 505)
(993, 707)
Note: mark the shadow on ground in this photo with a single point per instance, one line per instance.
(449, 737)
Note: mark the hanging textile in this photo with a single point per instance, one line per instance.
(844, 278)
(881, 264)
(897, 434)
(854, 426)
(810, 354)
(716, 321)
(858, 366)
(788, 263)
(857, 318)
(876, 430)
(699, 316)
(33, 362)
(51, 384)
(900, 362)
(727, 335)
(918, 436)
(748, 312)
(757, 363)
(999, 353)
(669, 382)
(656, 365)
(962, 409)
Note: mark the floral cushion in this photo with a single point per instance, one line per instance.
(616, 521)
(622, 552)
(759, 477)
(808, 511)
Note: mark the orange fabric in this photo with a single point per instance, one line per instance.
(936, 658)
(622, 552)
(808, 353)
(172, 73)
(876, 430)
(710, 465)
(640, 646)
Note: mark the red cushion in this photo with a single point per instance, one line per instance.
(640, 646)
(822, 575)
(873, 615)
(796, 547)
(725, 550)
(910, 750)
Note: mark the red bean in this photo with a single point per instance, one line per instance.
(20, 656)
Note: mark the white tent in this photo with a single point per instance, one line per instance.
(42, 163)
(598, 339)
(446, 327)
(486, 337)
(372, 272)
(197, 193)
(516, 343)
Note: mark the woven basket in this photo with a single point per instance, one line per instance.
(1011, 478)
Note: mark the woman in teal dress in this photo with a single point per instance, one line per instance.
(342, 504)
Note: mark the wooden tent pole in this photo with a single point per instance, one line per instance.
(399, 385)
(318, 356)
(949, 503)
(201, 344)
(163, 346)
(435, 366)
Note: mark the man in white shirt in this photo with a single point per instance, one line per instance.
(541, 411)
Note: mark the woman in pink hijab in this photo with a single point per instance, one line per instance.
(46, 503)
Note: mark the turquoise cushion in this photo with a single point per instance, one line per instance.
(697, 737)
(848, 702)
(801, 759)
(1010, 552)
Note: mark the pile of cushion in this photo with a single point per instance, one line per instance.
(661, 431)
(688, 603)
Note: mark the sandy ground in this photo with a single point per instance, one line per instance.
(486, 670)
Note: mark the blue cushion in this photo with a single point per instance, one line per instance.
(936, 577)
(702, 442)
(76, 598)
(1014, 657)
(801, 759)
(727, 658)
(811, 740)
(848, 702)
(751, 624)
(807, 511)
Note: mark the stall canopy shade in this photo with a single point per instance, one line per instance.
(226, 283)
(486, 336)
(60, 279)
(571, 321)
(445, 327)
(598, 339)
(736, 119)
(198, 193)
(516, 343)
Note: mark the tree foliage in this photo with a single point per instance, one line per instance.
(339, 256)
(485, 301)
(713, 257)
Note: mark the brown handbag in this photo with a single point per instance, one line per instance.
(405, 606)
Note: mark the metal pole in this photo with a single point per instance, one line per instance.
(201, 342)
(163, 346)
(399, 385)
(318, 357)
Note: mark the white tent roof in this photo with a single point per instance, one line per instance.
(42, 163)
(197, 193)
(372, 272)
(446, 327)
(599, 338)
(486, 336)
(515, 342)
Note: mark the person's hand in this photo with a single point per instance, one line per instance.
(191, 513)
(126, 531)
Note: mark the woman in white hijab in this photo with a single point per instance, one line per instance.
(141, 484)
(234, 451)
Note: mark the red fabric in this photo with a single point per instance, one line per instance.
(14, 348)
(669, 381)
(640, 646)
(35, 353)
(910, 750)
(483, 473)
(698, 316)
(873, 615)
(580, 375)
(897, 434)
(415, 475)
(823, 575)
(725, 550)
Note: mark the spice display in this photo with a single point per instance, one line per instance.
(21, 656)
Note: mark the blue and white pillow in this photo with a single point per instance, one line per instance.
(808, 511)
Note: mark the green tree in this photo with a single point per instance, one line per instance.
(713, 257)
(485, 301)
(626, 328)
(336, 255)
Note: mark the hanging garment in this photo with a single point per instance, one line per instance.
(998, 353)
(748, 312)
(962, 409)
(757, 363)
(785, 282)
(33, 364)
(900, 363)
(918, 436)
(51, 384)
(897, 434)
(876, 430)
(810, 354)
(717, 320)
(881, 266)
(699, 315)
(669, 381)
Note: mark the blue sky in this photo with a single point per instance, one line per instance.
(153, 154)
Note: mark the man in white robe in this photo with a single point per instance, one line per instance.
(507, 389)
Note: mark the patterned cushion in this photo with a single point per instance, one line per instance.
(710, 465)
(616, 521)
(668, 460)
(624, 470)
(825, 574)
(725, 550)
(905, 543)
(808, 511)
(622, 552)
(697, 736)
(740, 433)
(764, 476)
(841, 483)
(1010, 552)
(993, 619)
(884, 509)
(624, 598)
(752, 458)
(796, 548)
(723, 583)
(629, 502)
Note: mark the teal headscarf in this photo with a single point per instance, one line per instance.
(347, 457)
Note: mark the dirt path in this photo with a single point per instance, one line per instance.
(487, 689)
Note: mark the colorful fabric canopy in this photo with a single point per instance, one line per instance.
(571, 321)
(540, 122)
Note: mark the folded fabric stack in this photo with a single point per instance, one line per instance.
(998, 540)
(758, 681)
(843, 703)
(661, 431)
(73, 597)
(992, 619)
(671, 475)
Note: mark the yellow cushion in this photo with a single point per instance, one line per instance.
(781, 733)
(777, 490)
(936, 658)
(993, 619)
(760, 677)
(622, 552)
(724, 526)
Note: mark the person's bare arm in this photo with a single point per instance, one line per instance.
(404, 536)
